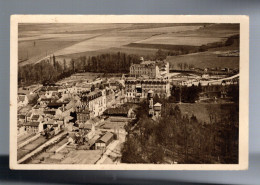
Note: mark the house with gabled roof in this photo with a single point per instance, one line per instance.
(104, 141)
(21, 118)
(32, 127)
(22, 100)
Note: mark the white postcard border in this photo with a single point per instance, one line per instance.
(243, 91)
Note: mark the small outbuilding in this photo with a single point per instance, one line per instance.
(104, 141)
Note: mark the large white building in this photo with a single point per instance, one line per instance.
(151, 69)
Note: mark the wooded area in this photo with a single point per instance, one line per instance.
(52, 70)
(176, 137)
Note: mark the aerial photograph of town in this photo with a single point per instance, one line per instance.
(128, 93)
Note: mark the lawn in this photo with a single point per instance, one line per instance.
(203, 60)
(203, 110)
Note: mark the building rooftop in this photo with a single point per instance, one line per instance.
(32, 124)
(157, 104)
(105, 138)
(51, 112)
(117, 111)
(35, 117)
(20, 116)
(21, 98)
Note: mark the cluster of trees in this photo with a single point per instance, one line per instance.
(51, 70)
(185, 94)
(41, 72)
(184, 66)
(233, 92)
(106, 63)
(177, 137)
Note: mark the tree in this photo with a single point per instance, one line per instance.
(160, 55)
(199, 88)
(64, 64)
(233, 92)
(185, 66)
(177, 112)
(180, 65)
(101, 86)
(92, 88)
(172, 112)
(73, 65)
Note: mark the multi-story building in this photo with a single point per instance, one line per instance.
(95, 101)
(137, 89)
(151, 69)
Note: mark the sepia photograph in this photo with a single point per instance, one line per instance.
(129, 92)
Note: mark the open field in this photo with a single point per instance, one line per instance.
(123, 49)
(74, 40)
(57, 37)
(41, 48)
(29, 29)
(166, 29)
(203, 110)
(204, 60)
(194, 37)
(106, 41)
(169, 39)
(213, 30)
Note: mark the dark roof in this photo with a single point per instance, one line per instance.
(21, 116)
(21, 98)
(117, 111)
(46, 99)
(31, 97)
(86, 126)
(32, 124)
(55, 104)
(105, 138)
(86, 111)
(29, 114)
(52, 88)
(52, 112)
(35, 117)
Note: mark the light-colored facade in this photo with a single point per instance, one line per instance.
(96, 102)
(145, 69)
(151, 69)
(137, 89)
(22, 100)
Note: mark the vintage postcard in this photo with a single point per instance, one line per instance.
(129, 92)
